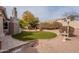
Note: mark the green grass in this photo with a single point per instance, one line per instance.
(24, 36)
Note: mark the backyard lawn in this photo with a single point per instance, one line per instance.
(24, 36)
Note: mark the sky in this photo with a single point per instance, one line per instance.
(43, 12)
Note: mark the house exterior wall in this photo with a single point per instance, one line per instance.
(11, 28)
(1, 27)
(14, 27)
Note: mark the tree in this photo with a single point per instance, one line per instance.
(71, 15)
(23, 24)
(28, 16)
(29, 20)
(34, 23)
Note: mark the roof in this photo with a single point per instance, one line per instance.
(3, 9)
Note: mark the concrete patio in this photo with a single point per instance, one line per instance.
(8, 43)
(55, 45)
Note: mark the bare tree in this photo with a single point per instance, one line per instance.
(72, 15)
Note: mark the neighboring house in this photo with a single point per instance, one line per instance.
(8, 25)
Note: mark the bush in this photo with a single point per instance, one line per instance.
(54, 25)
(44, 25)
(64, 29)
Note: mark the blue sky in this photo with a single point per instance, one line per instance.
(44, 12)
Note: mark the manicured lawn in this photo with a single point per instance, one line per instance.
(24, 36)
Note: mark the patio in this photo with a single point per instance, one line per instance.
(55, 45)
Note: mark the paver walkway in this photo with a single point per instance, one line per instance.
(55, 45)
(8, 42)
(45, 46)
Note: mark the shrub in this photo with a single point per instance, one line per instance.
(54, 25)
(44, 25)
(64, 29)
